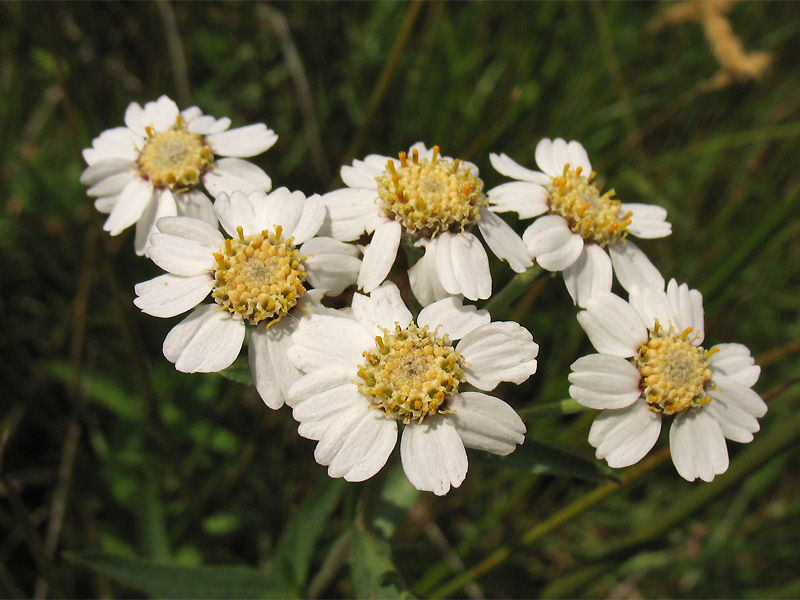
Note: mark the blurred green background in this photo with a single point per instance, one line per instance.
(109, 452)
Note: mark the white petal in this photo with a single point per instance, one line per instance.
(505, 165)
(504, 241)
(104, 169)
(238, 209)
(107, 204)
(379, 255)
(333, 430)
(280, 207)
(133, 201)
(578, 157)
(552, 243)
(197, 205)
(169, 295)
(652, 306)
(323, 341)
(486, 423)
(112, 185)
(526, 199)
(623, 436)
(433, 455)
(273, 373)
(455, 318)
(590, 274)
(633, 268)
(119, 142)
(604, 381)
(323, 392)
(503, 351)
(698, 446)
(736, 423)
(351, 213)
(310, 220)
(424, 279)
(735, 361)
(332, 265)
(207, 124)
(147, 225)
(613, 325)
(382, 308)
(206, 341)
(161, 114)
(194, 230)
(647, 220)
(544, 158)
(686, 307)
(362, 174)
(462, 265)
(236, 175)
(365, 448)
(732, 392)
(243, 141)
(560, 156)
(181, 255)
(135, 119)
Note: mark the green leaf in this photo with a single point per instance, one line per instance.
(172, 581)
(103, 390)
(238, 372)
(397, 497)
(374, 575)
(535, 457)
(296, 547)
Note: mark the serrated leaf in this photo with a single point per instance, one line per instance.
(174, 581)
(374, 575)
(295, 549)
(535, 457)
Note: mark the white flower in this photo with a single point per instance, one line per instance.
(434, 201)
(708, 391)
(373, 367)
(579, 223)
(257, 278)
(154, 166)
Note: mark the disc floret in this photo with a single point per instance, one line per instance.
(675, 373)
(411, 373)
(259, 277)
(593, 216)
(175, 158)
(429, 197)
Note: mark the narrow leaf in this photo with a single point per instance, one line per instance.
(296, 547)
(535, 457)
(173, 581)
(374, 575)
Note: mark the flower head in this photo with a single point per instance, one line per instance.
(434, 202)
(371, 369)
(652, 364)
(259, 278)
(159, 163)
(578, 226)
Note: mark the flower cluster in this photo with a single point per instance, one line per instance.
(359, 375)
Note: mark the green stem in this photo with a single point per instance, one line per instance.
(767, 446)
(555, 521)
(501, 302)
(552, 409)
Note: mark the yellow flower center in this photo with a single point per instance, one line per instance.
(174, 158)
(591, 215)
(410, 373)
(259, 277)
(430, 196)
(674, 372)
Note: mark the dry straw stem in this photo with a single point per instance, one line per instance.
(735, 63)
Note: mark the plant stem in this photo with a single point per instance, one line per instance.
(501, 302)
